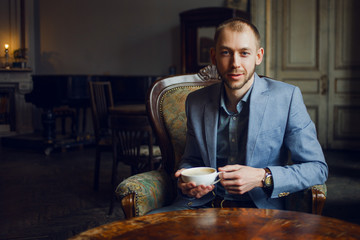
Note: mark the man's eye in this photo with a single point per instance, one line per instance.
(245, 53)
(224, 52)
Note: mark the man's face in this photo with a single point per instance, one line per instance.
(236, 55)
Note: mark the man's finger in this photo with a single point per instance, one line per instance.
(230, 182)
(188, 185)
(178, 172)
(230, 168)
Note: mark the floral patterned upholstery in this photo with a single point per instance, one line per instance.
(149, 189)
(172, 109)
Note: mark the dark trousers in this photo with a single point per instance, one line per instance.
(219, 202)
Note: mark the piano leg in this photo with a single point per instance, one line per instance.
(81, 122)
(48, 120)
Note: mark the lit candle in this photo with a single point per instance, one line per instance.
(7, 65)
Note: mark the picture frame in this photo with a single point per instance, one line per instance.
(197, 31)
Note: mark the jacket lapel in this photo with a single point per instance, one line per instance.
(210, 118)
(258, 102)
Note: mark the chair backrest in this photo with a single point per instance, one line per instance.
(130, 134)
(166, 110)
(101, 101)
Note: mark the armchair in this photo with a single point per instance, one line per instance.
(143, 192)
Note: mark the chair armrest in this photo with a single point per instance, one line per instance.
(128, 205)
(319, 193)
(310, 200)
(144, 192)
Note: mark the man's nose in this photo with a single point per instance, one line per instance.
(236, 61)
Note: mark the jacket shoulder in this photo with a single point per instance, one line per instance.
(276, 84)
(205, 92)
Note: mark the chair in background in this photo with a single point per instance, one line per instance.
(133, 143)
(143, 192)
(101, 101)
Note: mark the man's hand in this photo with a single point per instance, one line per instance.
(190, 189)
(239, 179)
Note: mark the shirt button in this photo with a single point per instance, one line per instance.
(234, 118)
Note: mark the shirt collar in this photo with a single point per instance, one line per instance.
(244, 99)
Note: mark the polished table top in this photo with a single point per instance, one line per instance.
(227, 223)
(131, 109)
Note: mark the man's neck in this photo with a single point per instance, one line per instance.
(233, 96)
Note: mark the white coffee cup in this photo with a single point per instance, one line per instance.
(200, 175)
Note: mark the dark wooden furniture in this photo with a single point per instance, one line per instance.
(226, 223)
(101, 101)
(131, 109)
(127, 89)
(51, 91)
(195, 46)
(133, 140)
(130, 131)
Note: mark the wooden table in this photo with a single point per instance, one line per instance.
(130, 109)
(224, 224)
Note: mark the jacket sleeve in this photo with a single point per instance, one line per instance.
(309, 167)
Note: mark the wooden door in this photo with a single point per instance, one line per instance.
(301, 54)
(344, 75)
(315, 50)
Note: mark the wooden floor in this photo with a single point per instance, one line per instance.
(51, 197)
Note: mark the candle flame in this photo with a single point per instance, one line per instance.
(6, 46)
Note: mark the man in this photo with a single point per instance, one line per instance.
(245, 127)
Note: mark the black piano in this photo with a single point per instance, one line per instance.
(56, 90)
(53, 91)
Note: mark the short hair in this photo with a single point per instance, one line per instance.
(237, 24)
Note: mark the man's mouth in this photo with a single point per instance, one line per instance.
(235, 74)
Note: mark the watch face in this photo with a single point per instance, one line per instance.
(268, 181)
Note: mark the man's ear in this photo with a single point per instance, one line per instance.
(259, 56)
(213, 55)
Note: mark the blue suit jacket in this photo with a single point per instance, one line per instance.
(278, 122)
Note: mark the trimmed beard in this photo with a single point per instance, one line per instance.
(247, 79)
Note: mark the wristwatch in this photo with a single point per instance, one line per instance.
(267, 180)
